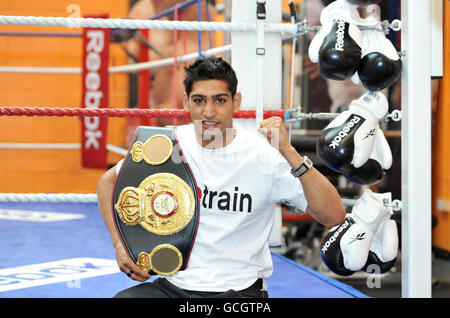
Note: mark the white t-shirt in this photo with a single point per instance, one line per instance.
(240, 185)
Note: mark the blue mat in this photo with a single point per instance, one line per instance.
(63, 250)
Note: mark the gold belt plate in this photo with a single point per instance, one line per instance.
(163, 204)
(164, 259)
(155, 150)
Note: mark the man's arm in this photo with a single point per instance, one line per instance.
(324, 202)
(105, 188)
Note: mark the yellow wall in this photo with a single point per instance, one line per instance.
(287, 56)
(57, 171)
(441, 149)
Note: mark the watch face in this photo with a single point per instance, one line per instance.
(308, 163)
(303, 168)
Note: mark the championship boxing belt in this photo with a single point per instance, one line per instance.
(155, 202)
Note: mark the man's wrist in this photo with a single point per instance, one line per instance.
(286, 150)
(117, 243)
(291, 155)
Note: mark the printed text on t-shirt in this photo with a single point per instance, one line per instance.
(226, 201)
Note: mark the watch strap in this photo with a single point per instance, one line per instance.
(303, 168)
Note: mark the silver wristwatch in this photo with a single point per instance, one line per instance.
(303, 168)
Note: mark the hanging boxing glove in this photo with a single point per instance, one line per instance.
(364, 2)
(380, 64)
(373, 170)
(340, 52)
(331, 251)
(342, 10)
(337, 45)
(384, 247)
(349, 140)
(326, 2)
(345, 248)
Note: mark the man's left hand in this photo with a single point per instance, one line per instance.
(274, 130)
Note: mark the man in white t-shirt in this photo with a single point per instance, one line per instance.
(241, 175)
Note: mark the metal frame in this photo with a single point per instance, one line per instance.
(416, 149)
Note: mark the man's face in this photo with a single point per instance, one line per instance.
(211, 106)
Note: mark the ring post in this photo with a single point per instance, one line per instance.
(245, 63)
(416, 149)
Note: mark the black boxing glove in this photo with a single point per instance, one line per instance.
(337, 47)
(354, 145)
(349, 139)
(340, 53)
(345, 249)
(355, 2)
(364, 2)
(380, 66)
(327, 2)
(331, 250)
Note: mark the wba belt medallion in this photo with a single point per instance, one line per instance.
(156, 203)
(162, 204)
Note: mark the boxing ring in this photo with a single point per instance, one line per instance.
(56, 261)
(40, 228)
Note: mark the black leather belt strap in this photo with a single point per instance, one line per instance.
(155, 202)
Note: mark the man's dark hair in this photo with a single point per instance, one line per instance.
(211, 68)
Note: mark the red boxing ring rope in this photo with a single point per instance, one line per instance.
(120, 112)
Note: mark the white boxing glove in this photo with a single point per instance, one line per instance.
(346, 248)
(384, 247)
(373, 170)
(349, 140)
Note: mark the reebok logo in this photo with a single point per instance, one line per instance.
(358, 237)
(370, 134)
(340, 32)
(335, 235)
(345, 131)
(94, 94)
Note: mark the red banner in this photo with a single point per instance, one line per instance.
(95, 95)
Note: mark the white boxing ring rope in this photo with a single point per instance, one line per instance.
(49, 197)
(57, 146)
(144, 24)
(298, 28)
(301, 28)
(118, 69)
(416, 100)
